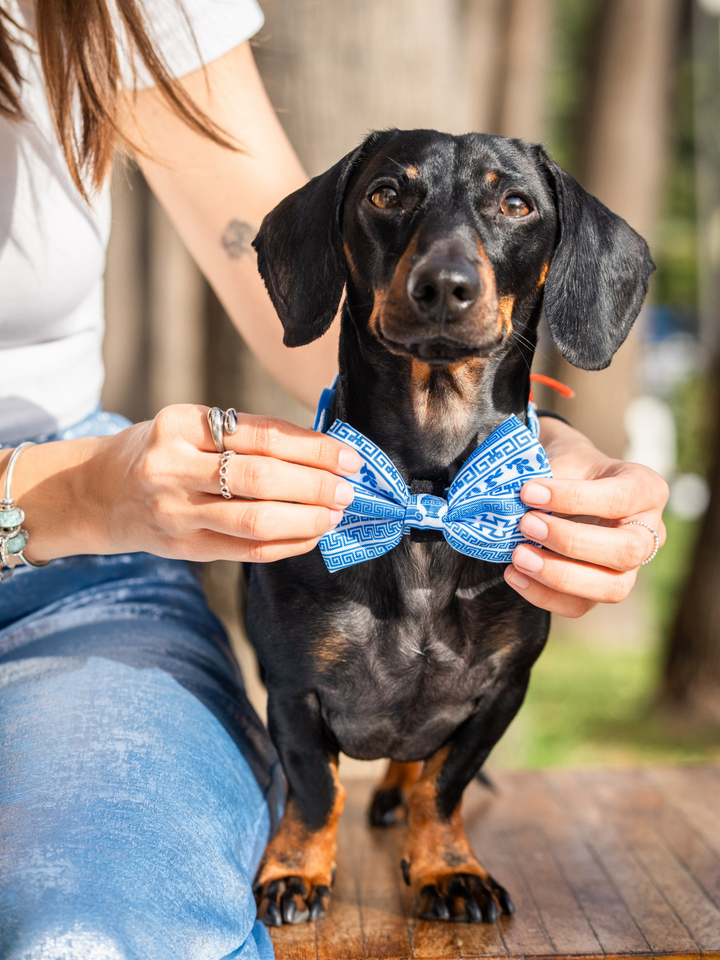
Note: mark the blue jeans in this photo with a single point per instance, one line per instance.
(137, 785)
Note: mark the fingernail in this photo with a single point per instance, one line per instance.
(516, 579)
(335, 518)
(535, 493)
(527, 559)
(532, 527)
(349, 460)
(344, 494)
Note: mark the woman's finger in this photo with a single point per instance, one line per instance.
(562, 604)
(612, 498)
(260, 436)
(569, 576)
(621, 548)
(208, 545)
(264, 520)
(266, 478)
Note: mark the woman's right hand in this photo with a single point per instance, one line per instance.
(155, 487)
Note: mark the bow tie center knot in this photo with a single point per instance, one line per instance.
(426, 512)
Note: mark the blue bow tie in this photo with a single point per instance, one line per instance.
(479, 516)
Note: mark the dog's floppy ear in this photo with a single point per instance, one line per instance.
(598, 277)
(300, 250)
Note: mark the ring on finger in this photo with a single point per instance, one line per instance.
(230, 421)
(222, 422)
(224, 460)
(215, 418)
(653, 531)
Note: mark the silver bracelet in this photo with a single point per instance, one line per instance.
(13, 536)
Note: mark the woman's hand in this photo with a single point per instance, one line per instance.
(156, 487)
(589, 553)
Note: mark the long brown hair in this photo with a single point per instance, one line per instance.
(78, 49)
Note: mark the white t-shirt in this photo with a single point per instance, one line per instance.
(52, 244)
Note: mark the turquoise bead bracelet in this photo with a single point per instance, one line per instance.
(13, 536)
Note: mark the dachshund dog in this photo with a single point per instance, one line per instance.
(447, 249)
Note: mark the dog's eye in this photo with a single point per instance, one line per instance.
(385, 198)
(514, 206)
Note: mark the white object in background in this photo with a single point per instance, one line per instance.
(650, 427)
(689, 496)
(711, 6)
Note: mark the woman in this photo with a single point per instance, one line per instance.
(138, 785)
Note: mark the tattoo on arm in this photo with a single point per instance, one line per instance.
(236, 239)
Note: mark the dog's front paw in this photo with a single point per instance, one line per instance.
(463, 897)
(449, 881)
(292, 899)
(297, 870)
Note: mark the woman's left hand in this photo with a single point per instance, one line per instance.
(590, 555)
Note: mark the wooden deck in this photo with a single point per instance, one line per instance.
(601, 863)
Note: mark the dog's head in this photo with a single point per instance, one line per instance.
(448, 241)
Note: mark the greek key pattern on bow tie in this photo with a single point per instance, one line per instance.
(479, 518)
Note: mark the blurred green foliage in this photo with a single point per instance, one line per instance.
(675, 249)
(575, 22)
(693, 404)
(593, 705)
(675, 246)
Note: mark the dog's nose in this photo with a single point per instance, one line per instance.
(444, 289)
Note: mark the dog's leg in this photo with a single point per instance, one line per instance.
(449, 881)
(296, 873)
(390, 799)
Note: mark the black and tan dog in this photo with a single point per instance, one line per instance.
(446, 248)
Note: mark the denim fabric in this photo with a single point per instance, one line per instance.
(137, 786)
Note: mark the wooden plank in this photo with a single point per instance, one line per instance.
(524, 933)
(377, 866)
(294, 943)
(605, 910)
(683, 789)
(654, 917)
(563, 919)
(636, 805)
(340, 933)
(691, 848)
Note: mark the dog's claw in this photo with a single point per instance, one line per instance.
(432, 905)
(405, 867)
(294, 907)
(465, 898)
(291, 900)
(318, 908)
(271, 916)
(502, 896)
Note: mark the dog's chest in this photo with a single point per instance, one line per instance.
(402, 684)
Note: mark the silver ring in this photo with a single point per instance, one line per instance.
(653, 531)
(224, 460)
(230, 421)
(216, 418)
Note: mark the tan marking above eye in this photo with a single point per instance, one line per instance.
(385, 198)
(492, 177)
(514, 206)
(412, 172)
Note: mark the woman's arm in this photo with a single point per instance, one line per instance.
(589, 555)
(217, 199)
